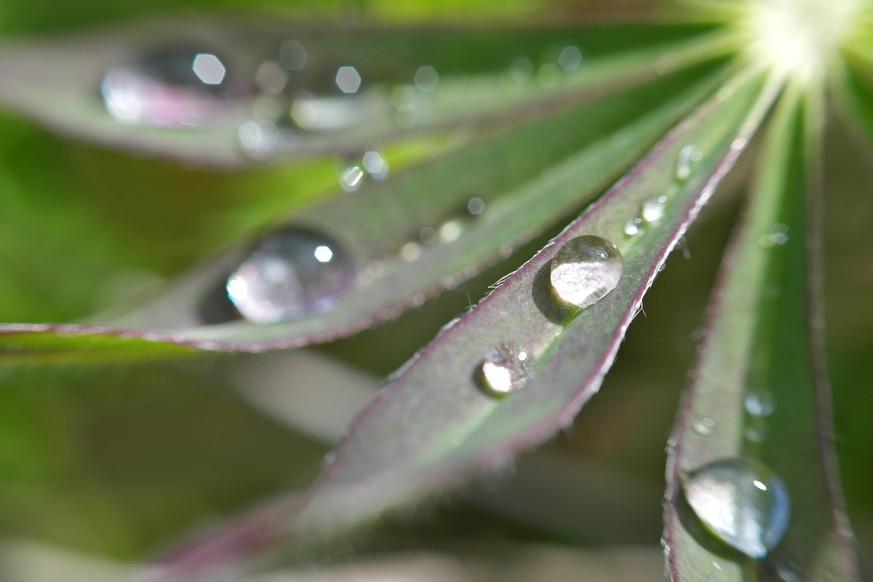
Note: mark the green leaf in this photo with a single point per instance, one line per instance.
(528, 176)
(58, 81)
(759, 390)
(433, 425)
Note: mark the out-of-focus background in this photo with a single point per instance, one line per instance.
(112, 462)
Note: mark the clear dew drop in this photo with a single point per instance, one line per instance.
(585, 270)
(171, 87)
(742, 502)
(688, 156)
(290, 274)
(348, 79)
(633, 226)
(759, 403)
(475, 206)
(351, 178)
(375, 165)
(776, 236)
(503, 371)
(704, 427)
(653, 209)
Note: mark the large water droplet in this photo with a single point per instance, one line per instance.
(585, 270)
(291, 273)
(503, 371)
(742, 502)
(172, 87)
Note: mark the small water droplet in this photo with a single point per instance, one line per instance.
(716, 565)
(502, 371)
(776, 236)
(410, 251)
(759, 403)
(742, 502)
(653, 209)
(291, 273)
(171, 87)
(633, 226)
(685, 160)
(293, 55)
(348, 79)
(375, 164)
(257, 140)
(427, 235)
(585, 270)
(704, 426)
(426, 79)
(756, 430)
(351, 178)
(450, 231)
(570, 58)
(476, 206)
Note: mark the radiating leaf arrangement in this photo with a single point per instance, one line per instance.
(455, 147)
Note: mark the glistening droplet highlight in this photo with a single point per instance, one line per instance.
(503, 371)
(742, 502)
(290, 274)
(585, 270)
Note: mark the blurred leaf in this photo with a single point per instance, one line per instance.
(58, 81)
(759, 390)
(434, 425)
(528, 177)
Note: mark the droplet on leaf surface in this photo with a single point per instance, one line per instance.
(169, 87)
(503, 371)
(290, 274)
(742, 502)
(585, 270)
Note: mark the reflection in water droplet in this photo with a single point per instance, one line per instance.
(685, 160)
(173, 87)
(776, 236)
(351, 177)
(585, 270)
(291, 273)
(375, 164)
(426, 79)
(633, 226)
(293, 55)
(742, 502)
(759, 403)
(704, 426)
(257, 139)
(570, 58)
(502, 371)
(348, 79)
(653, 209)
(476, 206)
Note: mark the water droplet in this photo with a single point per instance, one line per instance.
(351, 177)
(476, 206)
(776, 236)
(293, 55)
(291, 273)
(410, 251)
(759, 403)
(521, 69)
(173, 87)
(502, 371)
(585, 270)
(375, 164)
(570, 58)
(312, 113)
(257, 139)
(756, 430)
(685, 160)
(716, 565)
(633, 226)
(742, 502)
(426, 79)
(450, 230)
(427, 235)
(348, 79)
(704, 426)
(653, 209)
